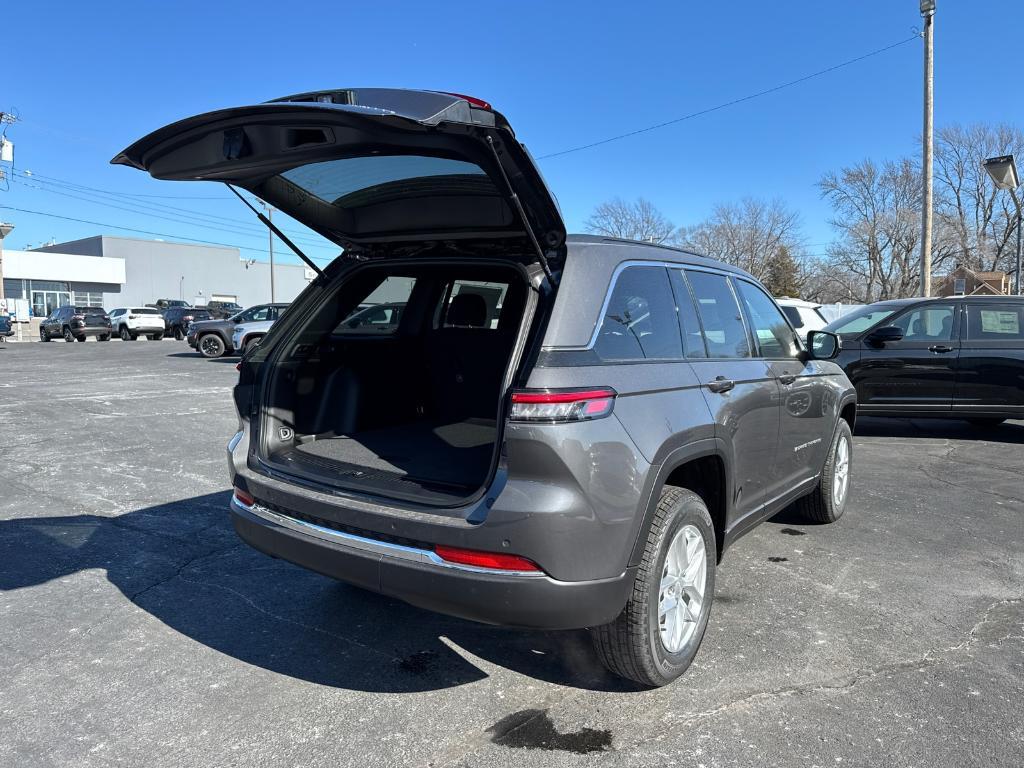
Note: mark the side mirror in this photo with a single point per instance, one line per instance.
(823, 345)
(885, 333)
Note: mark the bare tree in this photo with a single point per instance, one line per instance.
(748, 235)
(980, 218)
(877, 216)
(638, 220)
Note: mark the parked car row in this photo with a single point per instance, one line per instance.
(214, 338)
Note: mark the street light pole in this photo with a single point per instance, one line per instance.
(1003, 172)
(1016, 275)
(928, 13)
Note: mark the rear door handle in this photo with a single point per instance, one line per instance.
(940, 348)
(721, 385)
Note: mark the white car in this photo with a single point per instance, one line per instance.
(804, 315)
(246, 334)
(131, 322)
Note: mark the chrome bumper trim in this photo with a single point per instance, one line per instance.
(372, 546)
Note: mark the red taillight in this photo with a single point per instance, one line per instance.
(244, 498)
(494, 560)
(238, 366)
(472, 100)
(562, 404)
(186, 319)
(78, 317)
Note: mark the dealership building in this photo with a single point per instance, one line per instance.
(120, 272)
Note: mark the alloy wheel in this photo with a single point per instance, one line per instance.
(681, 592)
(841, 472)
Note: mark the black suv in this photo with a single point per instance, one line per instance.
(177, 319)
(954, 357)
(75, 324)
(220, 310)
(212, 338)
(557, 433)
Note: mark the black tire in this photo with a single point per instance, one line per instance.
(124, 333)
(821, 504)
(178, 333)
(632, 646)
(43, 335)
(155, 336)
(249, 343)
(103, 337)
(210, 345)
(68, 335)
(985, 423)
(80, 338)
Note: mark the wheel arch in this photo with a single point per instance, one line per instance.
(704, 467)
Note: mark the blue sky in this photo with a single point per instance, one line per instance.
(92, 78)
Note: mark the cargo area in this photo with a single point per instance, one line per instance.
(395, 386)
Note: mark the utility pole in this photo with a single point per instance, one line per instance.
(5, 230)
(927, 140)
(270, 238)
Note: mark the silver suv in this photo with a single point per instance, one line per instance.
(555, 432)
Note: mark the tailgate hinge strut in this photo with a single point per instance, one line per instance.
(522, 213)
(284, 238)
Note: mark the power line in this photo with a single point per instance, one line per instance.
(233, 227)
(83, 188)
(145, 231)
(732, 103)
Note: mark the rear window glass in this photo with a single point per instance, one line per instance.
(381, 311)
(341, 181)
(724, 332)
(640, 321)
(87, 311)
(1002, 322)
(198, 314)
(144, 311)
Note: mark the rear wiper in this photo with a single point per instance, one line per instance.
(278, 232)
(522, 214)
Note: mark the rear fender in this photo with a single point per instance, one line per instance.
(711, 446)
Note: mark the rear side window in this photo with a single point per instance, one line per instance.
(472, 304)
(995, 322)
(775, 338)
(379, 313)
(720, 315)
(640, 321)
(793, 315)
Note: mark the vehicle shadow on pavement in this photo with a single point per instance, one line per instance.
(183, 563)
(1011, 432)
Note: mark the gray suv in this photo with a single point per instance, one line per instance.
(556, 433)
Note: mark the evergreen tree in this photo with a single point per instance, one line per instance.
(783, 278)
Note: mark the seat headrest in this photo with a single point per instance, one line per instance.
(468, 310)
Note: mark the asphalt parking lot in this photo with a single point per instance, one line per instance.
(135, 629)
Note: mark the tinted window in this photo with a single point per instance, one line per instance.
(931, 323)
(352, 181)
(256, 314)
(995, 322)
(861, 319)
(720, 315)
(640, 321)
(198, 314)
(693, 339)
(774, 336)
(392, 290)
(472, 304)
(793, 313)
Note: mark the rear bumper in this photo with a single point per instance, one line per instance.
(92, 331)
(418, 577)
